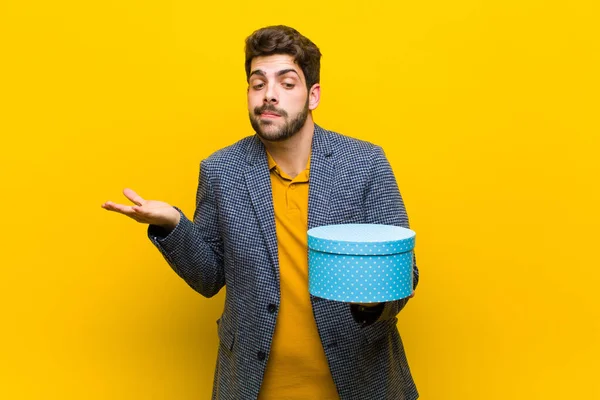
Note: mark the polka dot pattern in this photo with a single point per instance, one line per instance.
(368, 271)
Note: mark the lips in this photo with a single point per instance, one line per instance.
(269, 115)
(268, 111)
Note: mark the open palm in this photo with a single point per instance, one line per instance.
(146, 211)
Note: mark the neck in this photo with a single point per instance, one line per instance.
(291, 155)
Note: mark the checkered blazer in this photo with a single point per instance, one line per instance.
(232, 242)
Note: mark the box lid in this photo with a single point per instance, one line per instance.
(361, 239)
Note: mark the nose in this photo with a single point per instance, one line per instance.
(271, 96)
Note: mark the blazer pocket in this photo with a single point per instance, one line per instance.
(378, 330)
(226, 337)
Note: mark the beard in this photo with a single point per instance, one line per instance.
(289, 128)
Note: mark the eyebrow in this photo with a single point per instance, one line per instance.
(279, 73)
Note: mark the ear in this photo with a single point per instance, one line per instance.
(314, 96)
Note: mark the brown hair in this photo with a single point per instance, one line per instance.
(281, 39)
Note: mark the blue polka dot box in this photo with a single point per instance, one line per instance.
(362, 263)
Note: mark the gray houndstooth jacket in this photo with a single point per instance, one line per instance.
(232, 241)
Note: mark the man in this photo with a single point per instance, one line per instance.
(255, 201)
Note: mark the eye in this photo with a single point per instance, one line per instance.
(258, 86)
(288, 85)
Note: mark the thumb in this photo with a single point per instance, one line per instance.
(133, 196)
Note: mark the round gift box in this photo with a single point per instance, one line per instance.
(360, 263)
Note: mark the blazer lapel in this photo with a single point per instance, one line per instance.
(320, 179)
(258, 183)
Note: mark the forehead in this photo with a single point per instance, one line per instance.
(274, 63)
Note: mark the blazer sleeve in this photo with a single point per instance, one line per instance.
(194, 249)
(383, 204)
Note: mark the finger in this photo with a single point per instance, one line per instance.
(140, 211)
(120, 208)
(133, 196)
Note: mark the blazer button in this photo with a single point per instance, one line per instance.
(261, 356)
(272, 308)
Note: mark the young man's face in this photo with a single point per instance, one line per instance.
(278, 100)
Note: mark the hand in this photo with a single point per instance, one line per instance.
(146, 211)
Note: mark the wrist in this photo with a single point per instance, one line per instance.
(172, 222)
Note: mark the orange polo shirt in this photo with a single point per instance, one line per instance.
(297, 368)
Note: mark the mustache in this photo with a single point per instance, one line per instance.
(269, 107)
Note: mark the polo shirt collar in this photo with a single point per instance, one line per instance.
(301, 177)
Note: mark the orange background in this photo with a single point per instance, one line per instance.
(488, 112)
